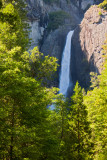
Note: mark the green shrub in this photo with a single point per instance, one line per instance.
(103, 5)
(56, 19)
(100, 13)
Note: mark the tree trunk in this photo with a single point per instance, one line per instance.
(78, 136)
(12, 126)
(62, 116)
(11, 149)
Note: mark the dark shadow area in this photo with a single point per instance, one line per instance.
(80, 66)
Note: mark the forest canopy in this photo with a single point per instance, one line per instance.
(29, 130)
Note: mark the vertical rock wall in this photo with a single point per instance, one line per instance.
(87, 42)
(38, 17)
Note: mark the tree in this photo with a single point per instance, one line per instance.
(23, 99)
(81, 144)
(61, 110)
(42, 67)
(14, 28)
(96, 101)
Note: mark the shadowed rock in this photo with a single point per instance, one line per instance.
(87, 43)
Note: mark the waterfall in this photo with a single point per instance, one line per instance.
(65, 66)
(64, 82)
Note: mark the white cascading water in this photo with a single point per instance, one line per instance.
(65, 66)
(64, 82)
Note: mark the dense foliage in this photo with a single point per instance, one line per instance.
(57, 19)
(75, 130)
(96, 101)
(23, 99)
(103, 5)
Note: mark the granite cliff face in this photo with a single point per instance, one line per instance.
(87, 40)
(51, 42)
(87, 43)
(36, 19)
(83, 4)
(38, 16)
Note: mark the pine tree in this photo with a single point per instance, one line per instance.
(96, 101)
(62, 121)
(81, 145)
(23, 99)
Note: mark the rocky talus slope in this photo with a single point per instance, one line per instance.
(87, 43)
